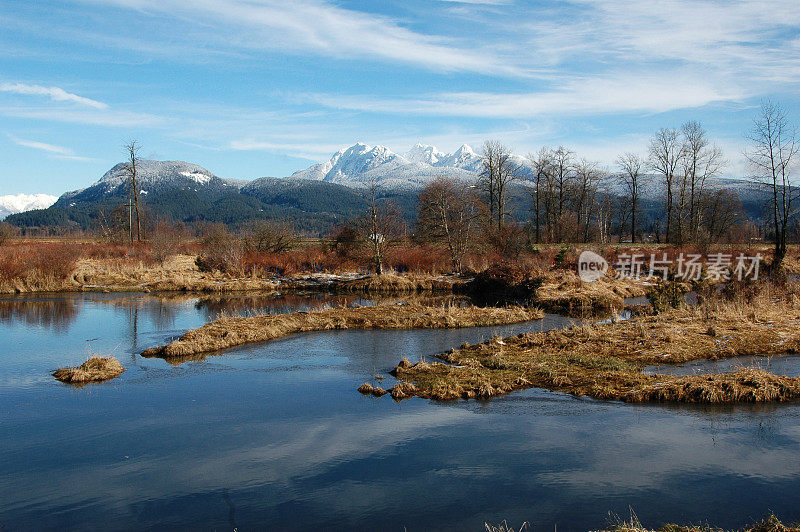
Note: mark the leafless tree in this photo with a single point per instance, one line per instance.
(563, 166)
(772, 154)
(699, 161)
(131, 170)
(720, 210)
(542, 168)
(632, 166)
(448, 212)
(381, 226)
(666, 151)
(270, 236)
(587, 177)
(498, 172)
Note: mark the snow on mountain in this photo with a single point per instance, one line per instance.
(156, 174)
(361, 164)
(423, 153)
(15, 203)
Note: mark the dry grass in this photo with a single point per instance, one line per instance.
(563, 291)
(95, 369)
(229, 331)
(605, 361)
(177, 273)
(769, 524)
(397, 284)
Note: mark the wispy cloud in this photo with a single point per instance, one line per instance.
(321, 28)
(580, 96)
(59, 152)
(56, 94)
(105, 118)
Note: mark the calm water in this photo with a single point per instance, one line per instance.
(275, 435)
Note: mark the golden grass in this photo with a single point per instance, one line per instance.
(394, 284)
(95, 369)
(178, 273)
(563, 291)
(769, 524)
(230, 331)
(605, 361)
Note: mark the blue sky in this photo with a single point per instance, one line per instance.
(250, 88)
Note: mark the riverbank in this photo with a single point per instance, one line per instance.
(230, 332)
(605, 361)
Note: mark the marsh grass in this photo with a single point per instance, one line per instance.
(770, 523)
(606, 361)
(95, 369)
(228, 332)
(394, 284)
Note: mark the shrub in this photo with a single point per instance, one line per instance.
(268, 236)
(222, 252)
(6, 232)
(165, 241)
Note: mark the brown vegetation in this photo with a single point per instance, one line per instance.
(229, 332)
(95, 369)
(606, 361)
(770, 523)
(395, 284)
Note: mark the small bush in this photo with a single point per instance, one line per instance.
(7, 231)
(222, 252)
(666, 294)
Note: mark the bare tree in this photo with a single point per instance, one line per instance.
(699, 161)
(772, 155)
(562, 173)
(542, 166)
(665, 155)
(131, 170)
(587, 177)
(632, 165)
(270, 236)
(448, 211)
(381, 226)
(719, 211)
(498, 172)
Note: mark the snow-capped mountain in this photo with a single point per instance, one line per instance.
(15, 203)
(361, 164)
(153, 177)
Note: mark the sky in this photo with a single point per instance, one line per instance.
(252, 88)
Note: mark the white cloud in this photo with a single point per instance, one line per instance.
(59, 152)
(581, 96)
(321, 28)
(54, 93)
(106, 118)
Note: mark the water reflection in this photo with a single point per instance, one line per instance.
(39, 312)
(788, 365)
(274, 436)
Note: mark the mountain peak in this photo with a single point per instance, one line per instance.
(424, 153)
(14, 203)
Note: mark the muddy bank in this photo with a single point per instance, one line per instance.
(229, 332)
(605, 361)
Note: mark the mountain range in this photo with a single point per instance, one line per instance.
(315, 198)
(14, 203)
